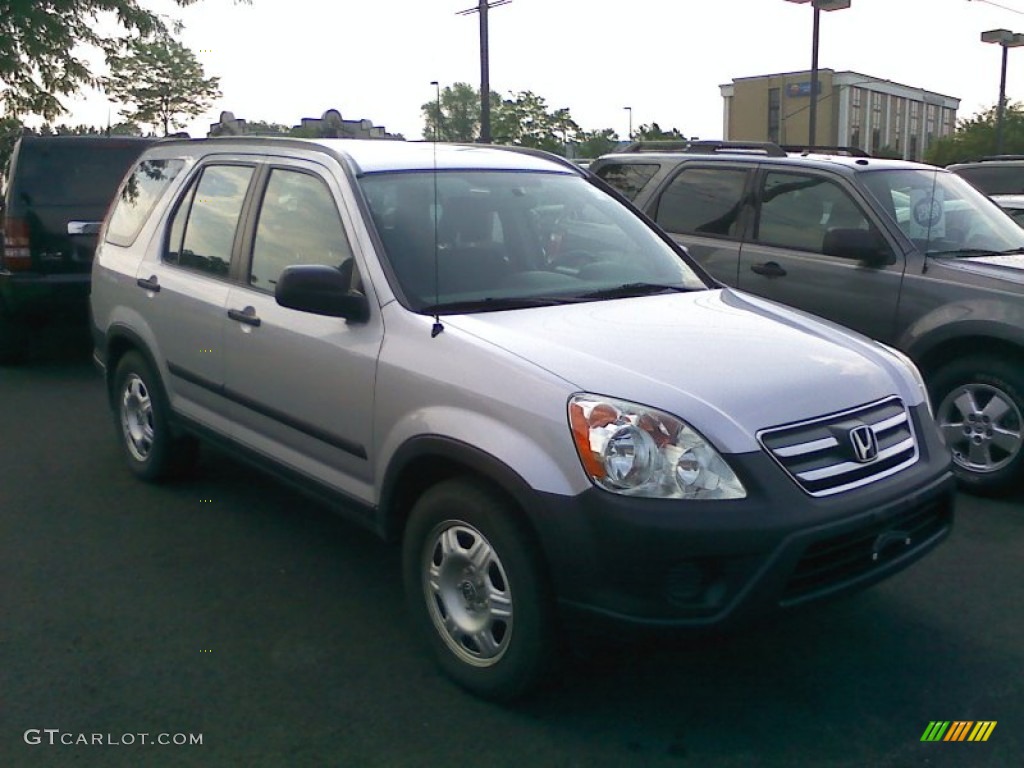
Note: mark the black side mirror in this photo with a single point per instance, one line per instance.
(864, 245)
(322, 291)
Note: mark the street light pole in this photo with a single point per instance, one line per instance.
(812, 120)
(630, 110)
(1007, 40)
(485, 65)
(437, 126)
(818, 6)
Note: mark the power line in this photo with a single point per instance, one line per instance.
(997, 5)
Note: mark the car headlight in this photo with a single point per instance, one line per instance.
(915, 372)
(639, 451)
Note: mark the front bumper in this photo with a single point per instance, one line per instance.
(703, 564)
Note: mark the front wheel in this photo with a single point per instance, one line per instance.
(980, 410)
(477, 590)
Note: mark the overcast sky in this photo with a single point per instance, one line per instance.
(281, 60)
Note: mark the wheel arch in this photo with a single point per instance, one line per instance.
(933, 354)
(120, 340)
(426, 460)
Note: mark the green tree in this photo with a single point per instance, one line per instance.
(160, 82)
(10, 129)
(263, 128)
(126, 128)
(43, 47)
(597, 143)
(525, 121)
(975, 137)
(653, 132)
(459, 115)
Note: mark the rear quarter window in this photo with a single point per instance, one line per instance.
(628, 178)
(140, 193)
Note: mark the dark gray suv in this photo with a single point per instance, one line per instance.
(908, 254)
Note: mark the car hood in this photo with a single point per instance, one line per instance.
(1008, 268)
(728, 363)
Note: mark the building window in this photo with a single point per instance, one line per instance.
(876, 121)
(773, 115)
(855, 116)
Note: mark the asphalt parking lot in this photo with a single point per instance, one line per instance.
(229, 607)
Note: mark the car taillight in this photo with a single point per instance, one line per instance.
(17, 256)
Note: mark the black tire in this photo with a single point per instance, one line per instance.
(979, 406)
(13, 341)
(490, 622)
(141, 413)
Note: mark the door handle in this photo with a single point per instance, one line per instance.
(247, 316)
(768, 269)
(150, 283)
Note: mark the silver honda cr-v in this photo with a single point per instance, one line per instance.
(483, 353)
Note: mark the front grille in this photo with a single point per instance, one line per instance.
(839, 560)
(821, 456)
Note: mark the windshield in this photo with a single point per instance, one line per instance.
(943, 214)
(463, 241)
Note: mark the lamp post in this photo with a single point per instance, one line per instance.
(485, 67)
(1007, 40)
(437, 126)
(819, 6)
(630, 110)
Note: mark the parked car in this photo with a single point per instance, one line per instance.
(483, 353)
(59, 188)
(997, 175)
(1013, 205)
(1001, 178)
(906, 253)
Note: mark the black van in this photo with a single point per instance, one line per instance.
(59, 189)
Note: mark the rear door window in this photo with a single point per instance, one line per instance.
(203, 229)
(703, 201)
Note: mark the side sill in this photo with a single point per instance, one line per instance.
(341, 503)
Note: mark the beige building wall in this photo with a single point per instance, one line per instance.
(878, 116)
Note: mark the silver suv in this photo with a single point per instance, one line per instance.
(480, 352)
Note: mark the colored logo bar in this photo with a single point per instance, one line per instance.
(958, 730)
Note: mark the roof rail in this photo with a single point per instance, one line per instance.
(1002, 157)
(825, 150)
(656, 145)
(769, 148)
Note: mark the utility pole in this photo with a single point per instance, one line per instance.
(485, 73)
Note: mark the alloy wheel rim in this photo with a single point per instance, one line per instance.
(982, 426)
(137, 417)
(468, 595)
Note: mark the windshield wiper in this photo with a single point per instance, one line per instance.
(628, 290)
(969, 252)
(493, 304)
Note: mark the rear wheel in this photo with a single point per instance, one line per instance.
(141, 416)
(13, 341)
(477, 590)
(979, 406)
